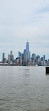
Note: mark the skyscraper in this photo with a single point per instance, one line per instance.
(10, 58)
(27, 46)
(25, 55)
(33, 56)
(27, 51)
(3, 57)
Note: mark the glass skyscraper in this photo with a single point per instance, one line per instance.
(27, 46)
(27, 51)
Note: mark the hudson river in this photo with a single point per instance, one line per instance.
(24, 89)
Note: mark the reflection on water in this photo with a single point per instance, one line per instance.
(24, 89)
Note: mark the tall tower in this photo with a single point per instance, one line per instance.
(27, 51)
(27, 46)
(3, 57)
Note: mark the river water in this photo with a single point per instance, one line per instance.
(24, 89)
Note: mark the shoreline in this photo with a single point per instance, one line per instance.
(20, 65)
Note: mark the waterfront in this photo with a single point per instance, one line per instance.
(24, 88)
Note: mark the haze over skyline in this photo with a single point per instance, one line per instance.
(21, 20)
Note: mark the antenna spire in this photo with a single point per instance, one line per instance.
(27, 39)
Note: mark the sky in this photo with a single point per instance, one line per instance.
(21, 20)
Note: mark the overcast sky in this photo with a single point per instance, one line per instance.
(21, 20)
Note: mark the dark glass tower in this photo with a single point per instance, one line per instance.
(3, 57)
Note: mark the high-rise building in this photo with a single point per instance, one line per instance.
(25, 55)
(10, 58)
(27, 51)
(33, 56)
(11, 53)
(27, 46)
(3, 57)
(38, 59)
(20, 58)
(43, 57)
(19, 54)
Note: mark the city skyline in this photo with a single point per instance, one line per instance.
(24, 59)
(24, 19)
(27, 48)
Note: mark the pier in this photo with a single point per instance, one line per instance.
(47, 70)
